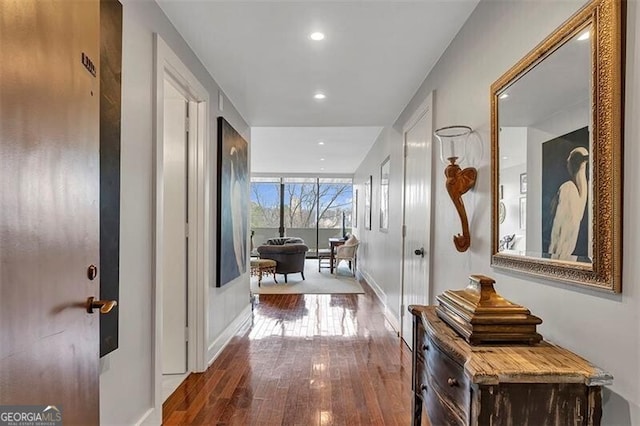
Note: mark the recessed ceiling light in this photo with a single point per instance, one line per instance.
(317, 36)
(320, 143)
(504, 96)
(321, 168)
(505, 158)
(319, 96)
(322, 159)
(584, 36)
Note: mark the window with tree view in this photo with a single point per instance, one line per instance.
(335, 203)
(300, 202)
(312, 209)
(265, 203)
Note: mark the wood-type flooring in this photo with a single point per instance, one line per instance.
(303, 360)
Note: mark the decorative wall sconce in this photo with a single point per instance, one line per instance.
(453, 148)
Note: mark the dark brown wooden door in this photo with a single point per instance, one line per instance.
(49, 205)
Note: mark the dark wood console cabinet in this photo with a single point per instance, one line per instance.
(460, 384)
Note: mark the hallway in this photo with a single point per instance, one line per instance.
(304, 360)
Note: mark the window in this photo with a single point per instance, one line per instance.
(300, 202)
(335, 202)
(265, 203)
(314, 209)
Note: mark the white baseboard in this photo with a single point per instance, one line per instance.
(375, 287)
(382, 297)
(392, 320)
(152, 417)
(223, 339)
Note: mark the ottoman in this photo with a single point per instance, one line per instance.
(263, 266)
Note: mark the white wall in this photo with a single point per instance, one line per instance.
(513, 143)
(511, 189)
(603, 328)
(126, 381)
(379, 254)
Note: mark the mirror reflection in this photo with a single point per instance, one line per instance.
(544, 145)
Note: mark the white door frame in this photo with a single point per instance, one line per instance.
(169, 66)
(425, 107)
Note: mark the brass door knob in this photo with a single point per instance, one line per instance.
(105, 306)
(452, 382)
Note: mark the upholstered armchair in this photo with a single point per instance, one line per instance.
(289, 256)
(348, 251)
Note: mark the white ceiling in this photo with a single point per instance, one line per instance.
(559, 83)
(562, 79)
(299, 151)
(373, 59)
(513, 147)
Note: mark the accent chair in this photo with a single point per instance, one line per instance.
(348, 251)
(289, 256)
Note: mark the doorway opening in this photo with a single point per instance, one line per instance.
(181, 225)
(175, 223)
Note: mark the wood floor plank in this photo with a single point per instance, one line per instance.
(305, 360)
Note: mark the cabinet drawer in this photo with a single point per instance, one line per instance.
(447, 378)
(439, 409)
(440, 412)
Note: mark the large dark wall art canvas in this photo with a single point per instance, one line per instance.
(233, 203)
(110, 108)
(565, 201)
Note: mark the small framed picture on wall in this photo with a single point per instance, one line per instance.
(523, 183)
(354, 214)
(384, 195)
(523, 213)
(367, 203)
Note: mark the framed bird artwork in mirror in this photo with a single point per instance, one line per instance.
(232, 204)
(556, 139)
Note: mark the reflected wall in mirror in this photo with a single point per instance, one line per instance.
(556, 153)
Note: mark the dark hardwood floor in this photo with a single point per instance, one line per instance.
(304, 360)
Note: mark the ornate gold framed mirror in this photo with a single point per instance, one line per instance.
(556, 142)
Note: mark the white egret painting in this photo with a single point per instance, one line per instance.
(565, 193)
(233, 203)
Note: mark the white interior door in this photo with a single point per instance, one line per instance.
(417, 215)
(174, 279)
